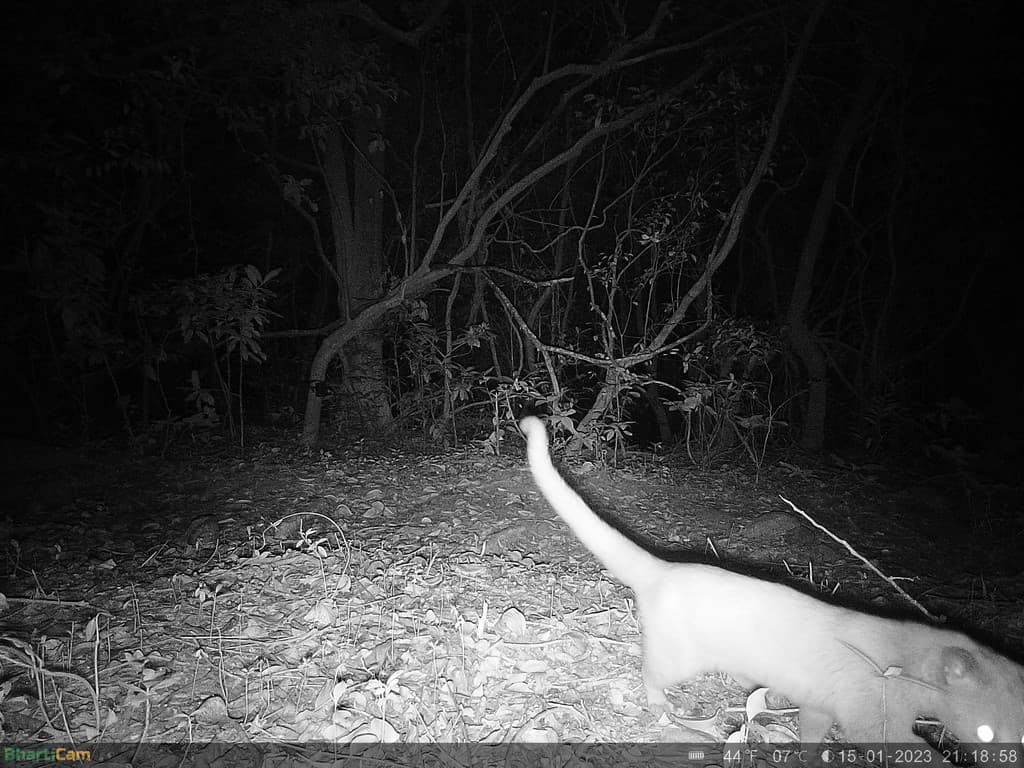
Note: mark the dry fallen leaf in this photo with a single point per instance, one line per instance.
(511, 625)
(213, 711)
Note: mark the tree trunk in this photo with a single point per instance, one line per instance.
(356, 217)
(659, 412)
(412, 287)
(804, 344)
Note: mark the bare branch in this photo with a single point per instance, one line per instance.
(738, 212)
(515, 275)
(372, 19)
(519, 187)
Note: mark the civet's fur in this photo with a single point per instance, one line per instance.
(873, 676)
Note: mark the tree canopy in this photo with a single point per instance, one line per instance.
(740, 221)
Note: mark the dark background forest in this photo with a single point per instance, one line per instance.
(738, 224)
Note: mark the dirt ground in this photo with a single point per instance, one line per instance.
(408, 594)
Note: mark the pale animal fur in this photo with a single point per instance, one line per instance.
(873, 676)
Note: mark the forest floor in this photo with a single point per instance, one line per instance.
(409, 594)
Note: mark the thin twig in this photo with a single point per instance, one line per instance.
(891, 582)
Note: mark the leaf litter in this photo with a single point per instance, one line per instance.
(389, 598)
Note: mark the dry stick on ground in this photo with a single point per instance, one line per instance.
(52, 603)
(34, 664)
(888, 580)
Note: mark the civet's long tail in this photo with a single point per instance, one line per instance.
(626, 560)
